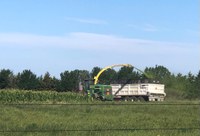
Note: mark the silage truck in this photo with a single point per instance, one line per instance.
(125, 92)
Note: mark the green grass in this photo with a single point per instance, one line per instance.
(51, 118)
(25, 113)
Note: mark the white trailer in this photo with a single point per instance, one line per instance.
(139, 92)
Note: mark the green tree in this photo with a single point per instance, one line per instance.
(193, 86)
(83, 75)
(6, 79)
(180, 82)
(197, 85)
(64, 83)
(27, 80)
(137, 76)
(159, 73)
(47, 82)
(107, 77)
(75, 79)
(70, 80)
(124, 74)
(95, 71)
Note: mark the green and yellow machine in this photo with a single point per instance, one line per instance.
(99, 91)
(137, 91)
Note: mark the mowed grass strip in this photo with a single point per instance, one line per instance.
(140, 120)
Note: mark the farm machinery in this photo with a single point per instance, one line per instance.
(126, 92)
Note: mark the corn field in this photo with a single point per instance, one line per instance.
(22, 96)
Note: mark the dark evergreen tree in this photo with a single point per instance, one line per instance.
(193, 86)
(83, 75)
(47, 82)
(75, 79)
(6, 79)
(107, 77)
(197, 85)
(124, 74)
(70, 80)
(159, 73)
(64, 84)
(27, 80)
(183, 86)
(95, 71)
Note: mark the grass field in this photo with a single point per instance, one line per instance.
(100, 120)
(169, 118)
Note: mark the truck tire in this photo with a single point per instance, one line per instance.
(133, 99)
(141, 99)
(126, 99)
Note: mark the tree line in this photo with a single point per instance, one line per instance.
(187, 86)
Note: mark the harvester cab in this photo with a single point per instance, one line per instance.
(101, 92)
(98, 91)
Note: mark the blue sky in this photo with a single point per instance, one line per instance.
(59, 35)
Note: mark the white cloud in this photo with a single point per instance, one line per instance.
(104, 49)
(148, 27)
(87, 21)
(97, 42)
